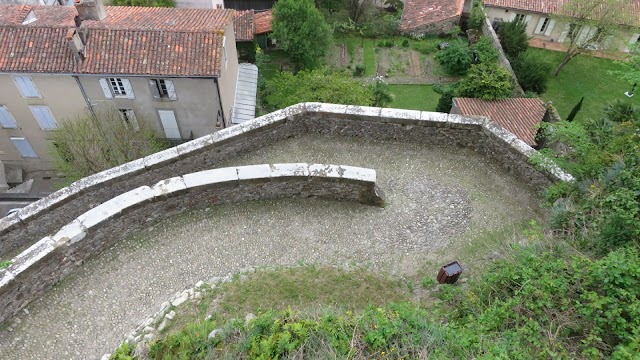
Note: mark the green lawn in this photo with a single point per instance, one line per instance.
(414, 97)
(369, 55)
(585, 76)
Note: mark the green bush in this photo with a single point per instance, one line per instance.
(382, 96)
(487, 53)
(386, 25)
(486, 81)
(533, 71)
(405, 43)
(447, 92)
(425, 47)
(359, 70)
(455, 59)
(477, 16)
(513, 38)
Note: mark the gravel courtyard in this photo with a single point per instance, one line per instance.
(439, 201)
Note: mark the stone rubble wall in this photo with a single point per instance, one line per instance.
(20, 230)
(53, 257)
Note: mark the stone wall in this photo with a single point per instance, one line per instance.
(53, 257)
(488, 31)
(20, 230)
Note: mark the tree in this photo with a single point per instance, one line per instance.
(513, 38)
(575, 110)
(533, 71)
(287, 89)
(487, 53)
(145, 3)
(382, 96)
(301, 31)
(359, 9)
(590, 25)
(477, 16)
(89, 144)
(447, 92)
(456, 58)
(486, 81)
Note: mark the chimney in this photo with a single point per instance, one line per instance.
(75, 44)
(90, 9)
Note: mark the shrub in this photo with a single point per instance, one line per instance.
(382, 26)
(359, 70)
(447, 93)
(382, 96)
(405, 43)
(513, 38)
(425, 47)
(456, 58)
(533, 71)
(477, 16)
(487, 53)
(486, 81)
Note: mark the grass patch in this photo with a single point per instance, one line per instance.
(5, 264)
(584, 76)
(278, 61)
(369, 55)
(309, 287)
(414, 97)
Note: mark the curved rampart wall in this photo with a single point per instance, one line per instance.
(41, 218)
(46, 262)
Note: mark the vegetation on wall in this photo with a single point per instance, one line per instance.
(513, 38)
(302, 32)
(476, 18)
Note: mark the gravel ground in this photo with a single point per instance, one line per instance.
(436, 198)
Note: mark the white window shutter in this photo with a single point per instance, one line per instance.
(527, 19)
(44, 117)
(552, 23)
(128, 89)
(512, 16)
(106, 89)
(133, 120)
(27, 87)
(171, 91)
(6, 119)
(564, 33)
(24, 148)
(153, 86)
(540, 25)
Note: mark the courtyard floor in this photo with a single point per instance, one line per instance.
(442, 204)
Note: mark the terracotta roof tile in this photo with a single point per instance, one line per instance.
(243, 25)
(135, 41)
(422, 12)
(520, 115)
(263, 21)
(630, 7)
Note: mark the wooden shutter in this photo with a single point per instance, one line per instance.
(169, 124)
(171, 90)
(27, 87)
(550, 26)
(24, 148)
(564, 33)
(527, 18)
(512, 16)
(153, 86)
(106, 89)
(540, 25)
(44, 117)
(128, 89)
(6, 119)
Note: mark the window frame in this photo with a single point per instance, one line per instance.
(29, 83)
(121, 92)
(11, 121)
(22, 138)
(51, 119)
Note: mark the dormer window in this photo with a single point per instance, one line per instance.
(31, 17)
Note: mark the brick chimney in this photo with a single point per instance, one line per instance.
(90, 9)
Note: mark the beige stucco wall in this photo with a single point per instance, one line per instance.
(620, 42)
(63, 97)
(195, 108)
(229, 74)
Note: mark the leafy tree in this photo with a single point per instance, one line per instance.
(447, 92)
(575, 110)
(591, 24)
(145, 3)
(359, 9)
(89, 144)
(486, 81)
(533, 71)
(287, 89)
(477, 16)
(487, 53)
(382, 96)
(301, 31)
(513, 38)
(456, 58)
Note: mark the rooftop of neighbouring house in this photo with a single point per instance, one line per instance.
(630, 8)
(244, 25)
(423, 12)
(129, 40)
(521, 116)
(263, 21)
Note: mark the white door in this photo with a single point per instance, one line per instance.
(169, 124)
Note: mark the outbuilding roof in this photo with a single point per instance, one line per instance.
(417, 13)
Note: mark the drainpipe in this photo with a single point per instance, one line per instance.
(84, 95)
(224, 118)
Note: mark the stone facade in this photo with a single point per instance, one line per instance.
(53, 257)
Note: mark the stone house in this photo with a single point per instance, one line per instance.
(543, 27)
(177, 68)
(431, 16)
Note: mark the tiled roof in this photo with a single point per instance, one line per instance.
(263, 21)
(422, 12)
(130, 41)
(16, 14)
(243, 25)
(631, 8)
(520, 115)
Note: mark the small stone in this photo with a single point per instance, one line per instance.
(244, 278)
(17, 321)
(214, 333)
(105, 357)
(208, 317)
(165, 305)
(148, 329)
(249, 317)
(26, 311)
(214, 280)
(179, 301)
(199, 284)
(138, 338)
(149, 337)
(463, 280)
(163, 325)
(197, 295)
(170, 315)
(131, 340)
(148, 322)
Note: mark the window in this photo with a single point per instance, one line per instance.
(163, 89)
(6, 119)
(24, 148)
(44, 117)
(116, 87)
(520, 17)
(545, 26)
(26, 86)
(129, 119)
